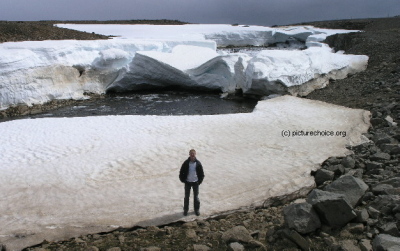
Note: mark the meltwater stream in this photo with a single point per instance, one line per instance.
(163, 103)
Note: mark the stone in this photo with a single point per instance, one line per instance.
(191, 234)
(390, 228)
(385, 242)
(151, 249)
(91, 248)
(372, 165)
(296, 238)
(376, 122)
(355, 228)
(391, 148)
(386, 203)
(119, 249)
(348, 245)
(200, 248)
(381, 138)
(381, 189)
(380, 156)
(301, 217)
(333, 208)
(348, 162)
(237, 234)
(235, 246)
(362, 215)
(337, 169)
(365, 245)
(322, 175)
(395, 182)
(192, 224)
(390, 121)
(351, 187)
(374, 213)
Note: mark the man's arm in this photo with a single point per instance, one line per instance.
(200, 172)
(182, 177)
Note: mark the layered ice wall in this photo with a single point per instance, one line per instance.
(145, 56)
(38, 72)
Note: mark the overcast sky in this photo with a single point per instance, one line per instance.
(261, 12)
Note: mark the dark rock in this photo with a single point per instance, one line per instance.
(368, 196)
(337, 169)
(197, 247)
(348, 162)
(374, 213)
(235, 246)
(380, 156)
(385, 242)
(391, 148)
(390, 228)
(301, 217)
(395, 182)
(357, 173)
(381, 138)
(381, 189)
(362, 215)
(377, 122)
(296, 238)
(371, 165)
(237, 234)
(348, 245)
(333, 208)
(386, 203)
(354, 228)
(365, 245)
(353, 188)
(322, 175)
(332, 161)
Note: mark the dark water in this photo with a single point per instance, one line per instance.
(165, 103)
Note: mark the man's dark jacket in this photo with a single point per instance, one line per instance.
(183, 173)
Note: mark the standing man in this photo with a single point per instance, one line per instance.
(192, 175)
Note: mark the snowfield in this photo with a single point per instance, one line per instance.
(146, 56)
(62, 177)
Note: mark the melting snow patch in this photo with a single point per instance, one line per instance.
(62, 177)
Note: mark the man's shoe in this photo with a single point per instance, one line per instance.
(197, 213)
(185, 213)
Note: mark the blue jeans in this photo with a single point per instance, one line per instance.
(196, 200)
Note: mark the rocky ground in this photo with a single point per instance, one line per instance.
(356, 204)
(45, 30)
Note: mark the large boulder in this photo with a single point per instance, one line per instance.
(333, 208)
(301, 217)
(385, 242)
(351, 187)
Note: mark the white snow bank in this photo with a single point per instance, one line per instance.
(268, 72)
(223, 34)
(38, 72)
(298, 72)
(63, 177)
